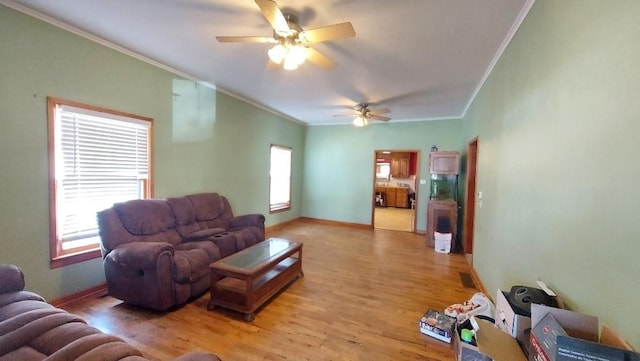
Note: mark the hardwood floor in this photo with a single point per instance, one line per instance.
(361, 297)
(394, 219)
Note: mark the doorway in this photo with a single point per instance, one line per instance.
(395, 190)
(470, 197)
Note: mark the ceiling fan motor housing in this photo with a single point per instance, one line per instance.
(294, 28)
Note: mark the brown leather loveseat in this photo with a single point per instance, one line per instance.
(157, 251)
(33, 330)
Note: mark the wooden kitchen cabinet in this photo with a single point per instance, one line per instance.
(444, 162)
(400, 165)
(394, 196)
(390, 193)
(447, 208)
(402, 197)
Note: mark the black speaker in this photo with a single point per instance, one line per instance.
(521, 298)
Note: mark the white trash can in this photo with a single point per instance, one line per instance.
(442, 242)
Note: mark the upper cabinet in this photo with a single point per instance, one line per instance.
(400, 165)
(444, 162)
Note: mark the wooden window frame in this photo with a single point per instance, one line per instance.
(58, 256)
(283, 206)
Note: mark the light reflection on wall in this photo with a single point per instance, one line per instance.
(194, 111)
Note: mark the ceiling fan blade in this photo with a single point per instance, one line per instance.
(381, 111)
(379, 117)
(319, 59)
(347, 115)
(245, 39)
(274, 16)
(337, 31)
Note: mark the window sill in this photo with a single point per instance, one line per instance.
(74, 258)
(280, 209)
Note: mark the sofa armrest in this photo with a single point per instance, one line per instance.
(142, 274)
(140, 254)
(11, 278)
(247, 220)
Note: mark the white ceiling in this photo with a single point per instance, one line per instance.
(423, 59)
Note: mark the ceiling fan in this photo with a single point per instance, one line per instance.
(292, 42)
(362, 114)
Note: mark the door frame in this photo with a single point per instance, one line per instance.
(470, 196)
(417, 184)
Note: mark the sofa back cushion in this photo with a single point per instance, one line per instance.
(212, 210)
(208, 206)
(200, 216)
(183, 210)
(185, 216)
(139, 220)
(145, 216)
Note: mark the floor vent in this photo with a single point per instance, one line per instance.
(467, 280)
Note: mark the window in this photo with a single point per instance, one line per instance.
(383, 170)
(280, 179)
(97, 157)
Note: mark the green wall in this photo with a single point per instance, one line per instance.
(339, 165)
(558, 124)
(39, 60)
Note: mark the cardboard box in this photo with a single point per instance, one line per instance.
(516, 323)
(509, 321)
(548, 323)
(491, 345)
(544, 337)
(467, 351)
(437, 325)
(572, 349)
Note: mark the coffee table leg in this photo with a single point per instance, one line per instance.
(249, 316)
(211, 306)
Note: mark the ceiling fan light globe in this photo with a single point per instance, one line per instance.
(277, 53)
(290, 63)
(298, 54)
(359, 122)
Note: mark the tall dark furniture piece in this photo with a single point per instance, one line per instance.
(442, 209)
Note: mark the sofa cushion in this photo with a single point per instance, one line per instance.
(24, 353)
(191, 265)
(183, 210)
(50, 341)
(94, 347)
(207, 205)
(145, 216)
(22, 334)
(20, 305)
(212, 250)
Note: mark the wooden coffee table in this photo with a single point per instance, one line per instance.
(247, 279)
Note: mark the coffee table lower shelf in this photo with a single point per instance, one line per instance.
(247, 295)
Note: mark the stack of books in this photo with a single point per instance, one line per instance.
(438, 325)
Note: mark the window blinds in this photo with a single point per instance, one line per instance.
(101, 159)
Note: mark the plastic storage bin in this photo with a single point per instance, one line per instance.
(442, 242)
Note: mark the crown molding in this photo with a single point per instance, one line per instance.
(74, 30)
(512, 32)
